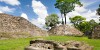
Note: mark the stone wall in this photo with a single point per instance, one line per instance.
(51, 45)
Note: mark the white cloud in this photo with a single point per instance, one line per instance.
(6, 9)
(38, 22)
(24, 16)
(11, 2)
(41, 11)
(87, 3)
(82, 11)
(1, 12)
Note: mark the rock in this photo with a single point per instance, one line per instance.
(51, 45)
(15, 27)
(65, 30)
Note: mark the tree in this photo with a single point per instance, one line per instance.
(51, 20)
(84, 26)
(77, 20)
(92, 23)
(87, 26)
(62, 16)
(66, 6)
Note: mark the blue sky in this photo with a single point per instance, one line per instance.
(36, 10)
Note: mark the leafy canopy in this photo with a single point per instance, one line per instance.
(77, 20)
(51, 20)
(80, 23)
(87, 26)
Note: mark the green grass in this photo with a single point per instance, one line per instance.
(19, 44)
(14, 44)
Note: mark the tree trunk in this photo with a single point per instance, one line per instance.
(65, 18)
(62, 19)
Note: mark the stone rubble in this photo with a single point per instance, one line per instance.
(51, 45)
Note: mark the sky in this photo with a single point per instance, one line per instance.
(36, 11)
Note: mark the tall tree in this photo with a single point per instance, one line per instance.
(51, 20)
(66, 6)
(62, 16)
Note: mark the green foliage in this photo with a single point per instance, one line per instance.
(66, 6)
(84, 26)
(77, 20)
(93, 23)
(52, 20)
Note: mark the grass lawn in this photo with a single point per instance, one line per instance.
(19, 44)
(14, 44)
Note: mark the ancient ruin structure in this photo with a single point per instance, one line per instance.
(51, 45)
(65, 30)
(96, 32)
(15, 27)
